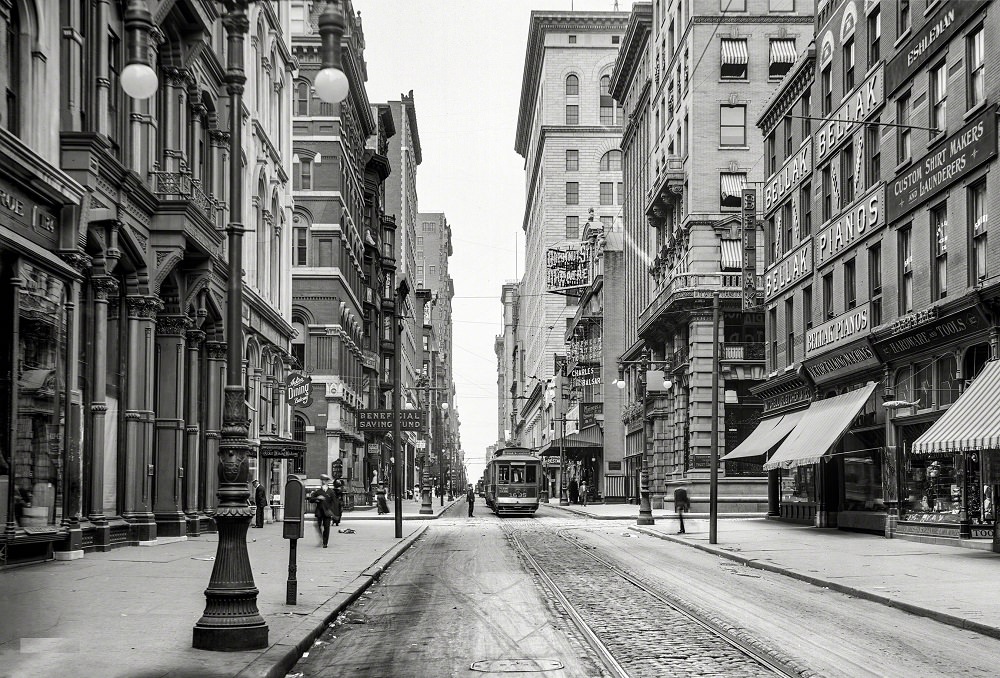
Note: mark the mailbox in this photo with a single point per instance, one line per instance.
(295, 508)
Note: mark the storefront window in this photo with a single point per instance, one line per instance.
(40, 355)
(923, 384)
(947, 383)
(989, 487)
(863, 482)
(932, 486)
(798, 484)
(903, 384)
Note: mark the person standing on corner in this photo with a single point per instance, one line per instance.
(583, 493)
(325, 499)
(681, 504)
(470, 496)
(260, 499)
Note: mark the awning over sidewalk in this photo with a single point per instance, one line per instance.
(821, 427)
(589, 438)
(769, 432)
(972, 422)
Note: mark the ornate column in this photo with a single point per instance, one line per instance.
(169, 427)
(101, 72)
(138, 419)
(105, 287)
(192, 433)
(216, 368)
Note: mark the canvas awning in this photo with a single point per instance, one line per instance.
(733, 184)
(769, 433)
(972, 422)
(783, 52)
(821, 427)
(734, 51)
(731, 259)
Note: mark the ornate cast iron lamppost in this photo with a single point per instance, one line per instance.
(231, 621)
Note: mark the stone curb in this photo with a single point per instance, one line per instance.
(281, 656)
(936, 615)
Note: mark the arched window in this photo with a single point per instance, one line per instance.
(300, 241)
(299, 428)
(572, 86)
(274, 252)
(973, 361)
(13, 71)
(299, 342)
(302, 98)
(607, 102)
(947, 381)
(611, 161)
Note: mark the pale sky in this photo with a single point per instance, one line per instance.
(464, 60)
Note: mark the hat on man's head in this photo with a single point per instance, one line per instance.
(323, 476)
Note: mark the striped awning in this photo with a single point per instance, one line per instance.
(769, 432)
(733, 184)
(821, 427)
(734, 51)
(783, 51)
(731, 255)
(972, 422)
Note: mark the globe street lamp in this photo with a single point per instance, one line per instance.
(331, 82)
(138, 78)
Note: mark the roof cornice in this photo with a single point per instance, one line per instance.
(788, 92)
(540, 23)
(633, 48)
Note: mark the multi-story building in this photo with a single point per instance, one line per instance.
(880, 297)
(709, 70)
(401, 203)
(333, 211)
(568, 132)
(114, 273)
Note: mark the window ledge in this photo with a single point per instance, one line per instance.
(903, 37)
(975, 110)
(903, 165)
(743, 80)
(734, 148)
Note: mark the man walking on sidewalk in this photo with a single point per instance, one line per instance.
(470, 496)
(681, 504)
(325, 499)
(260, 499)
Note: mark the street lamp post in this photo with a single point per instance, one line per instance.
(402, 291)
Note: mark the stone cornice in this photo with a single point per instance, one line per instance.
(755, 19)
(541, 22)
(633, 48)
(791, 88)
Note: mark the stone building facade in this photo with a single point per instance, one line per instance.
(114, 271)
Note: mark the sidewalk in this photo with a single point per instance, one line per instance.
(130, 612)
(950, 584)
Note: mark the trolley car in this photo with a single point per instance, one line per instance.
(511, 481)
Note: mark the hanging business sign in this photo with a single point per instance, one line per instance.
(298, 390)
(589, 413)
(381, 420)
(842, 330)
(931, 37)
(950, 161)
(748, 229)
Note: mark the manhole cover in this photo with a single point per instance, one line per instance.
(516, 665)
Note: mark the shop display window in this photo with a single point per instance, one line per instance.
(863, 482)
(932, 487)
(798, 484)
(39, 419)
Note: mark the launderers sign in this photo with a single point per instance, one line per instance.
(952, 160)
(842, 330)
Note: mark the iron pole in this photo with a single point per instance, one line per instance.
(713, 489)
(397, 443)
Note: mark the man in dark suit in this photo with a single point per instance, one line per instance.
(260, 499)
(327, 507)
(681, 504)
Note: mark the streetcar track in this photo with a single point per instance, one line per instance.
(715, 628)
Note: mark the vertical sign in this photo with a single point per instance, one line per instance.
(749, 233)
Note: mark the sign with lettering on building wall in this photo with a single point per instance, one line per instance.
(298, 389)
(861, 219)
(948, 329)
(790, 175)
(831, 366)
(931, 37)
(748, 237)
(859, 106)
(788, 270)
(842, 330)
(589, 413)
(950, 161)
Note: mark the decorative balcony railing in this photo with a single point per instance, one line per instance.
(694, 286)
(753, 350)
(182, 186)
